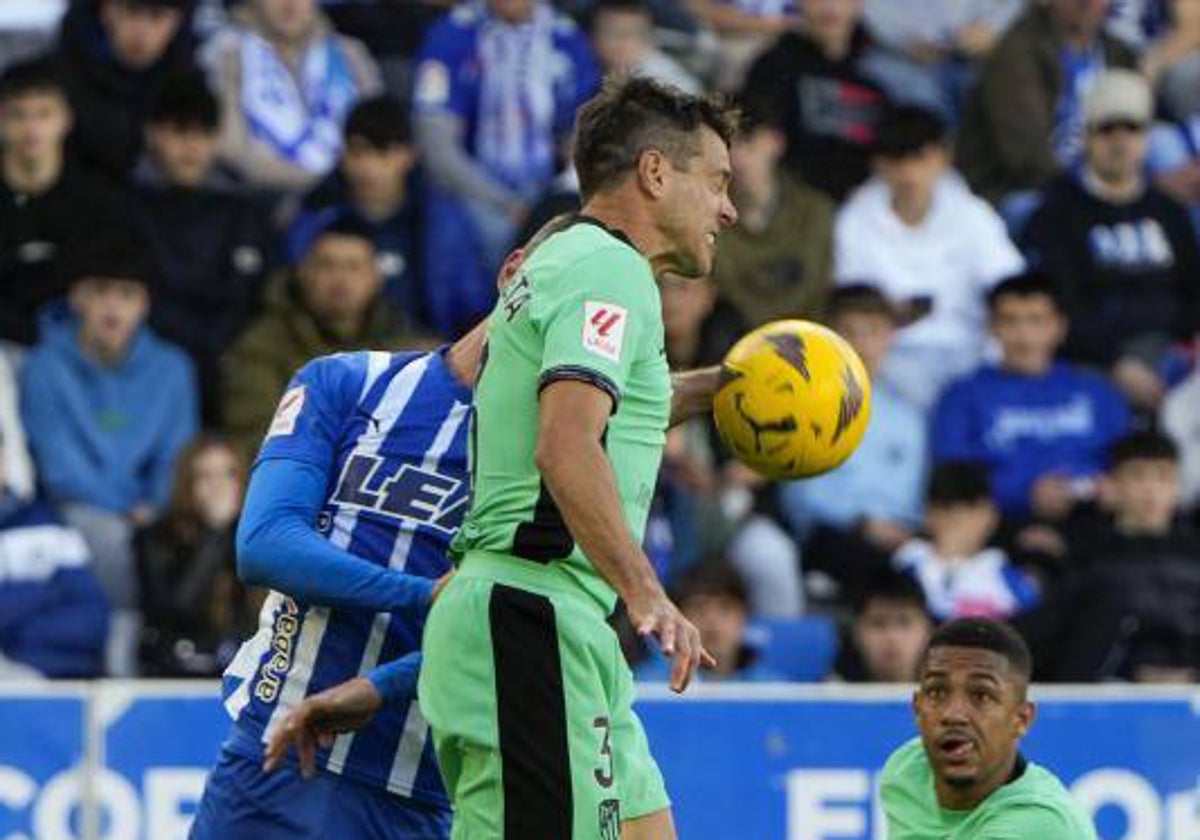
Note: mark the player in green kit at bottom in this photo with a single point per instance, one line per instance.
(964, 777)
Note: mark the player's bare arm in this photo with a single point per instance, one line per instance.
(573, 463)
(318, 720)
(692, 392)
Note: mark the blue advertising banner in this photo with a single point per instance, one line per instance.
(126, 761)
(42, 741)
(795, 765)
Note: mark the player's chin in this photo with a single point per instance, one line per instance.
(957, 774)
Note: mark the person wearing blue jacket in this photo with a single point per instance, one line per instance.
(497, 84)
(53, 615)
(107, 406)
(1042, 427)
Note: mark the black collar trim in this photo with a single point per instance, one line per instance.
(583, 219)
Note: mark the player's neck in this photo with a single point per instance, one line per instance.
(953, 798)
(463, 356)
(619, 212)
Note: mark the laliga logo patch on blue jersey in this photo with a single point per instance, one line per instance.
(413, 494)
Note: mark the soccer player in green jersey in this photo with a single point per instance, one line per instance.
(524, 684)
(964, 778)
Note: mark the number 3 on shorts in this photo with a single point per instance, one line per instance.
(604, 774)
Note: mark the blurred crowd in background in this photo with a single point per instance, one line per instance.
(995, 201)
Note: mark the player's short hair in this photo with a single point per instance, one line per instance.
(983, 634)
(109, 254)
(185, 102)
(714, 577)
(1143, 446)
(891, 585)
(906, 130)
(28, 77)
(858, 299)
(632, 114)
(628, 7)
(1025, 285)
(959, 483)
(382, 121)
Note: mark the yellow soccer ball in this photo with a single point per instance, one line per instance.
(794, 401)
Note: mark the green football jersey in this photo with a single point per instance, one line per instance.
(1034, 805)
(586, 307)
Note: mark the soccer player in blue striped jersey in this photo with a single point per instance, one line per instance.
(356, 492)
(359, 486)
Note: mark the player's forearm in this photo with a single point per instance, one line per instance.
(580, 478)
(279, 548)
(396, 681)
(692, 392)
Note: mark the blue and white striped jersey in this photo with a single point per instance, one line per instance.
(391, 431)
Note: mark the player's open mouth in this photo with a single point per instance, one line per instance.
(955, 747)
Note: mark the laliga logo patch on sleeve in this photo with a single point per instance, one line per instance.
(604, 329)
(284, 421)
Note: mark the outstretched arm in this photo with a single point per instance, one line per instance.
(692, 392)
(280, 548)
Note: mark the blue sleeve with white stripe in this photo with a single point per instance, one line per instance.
(396, 681)
(313, 409)
(278, 545)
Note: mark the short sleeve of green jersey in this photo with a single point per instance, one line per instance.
(1022, 820)
(594, 318)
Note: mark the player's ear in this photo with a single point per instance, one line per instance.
(652, 169)
(512, 264)
(1026, 714)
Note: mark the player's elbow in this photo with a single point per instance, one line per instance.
(253, 567)
(551, 454)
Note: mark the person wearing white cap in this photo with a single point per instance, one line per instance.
(1122, 253)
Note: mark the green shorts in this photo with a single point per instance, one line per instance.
(530, 702)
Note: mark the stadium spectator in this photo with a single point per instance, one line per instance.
(709, 501)
(1181, 420)
(497, 86)
(1138, 581)
(195, 610)
(374, 185)
(934, 46)
(1171, 61)
(212, 244)
(1172, 66)
(776, 261)
(19, 480)
(115, 56)
(1041, 427)
(852, 498)
(623, 38)
(1123, 254)
(1024, 120)
(814, 82)
(286, 82)
(714, 597)
(698, 331)
(917, 231)
(744, 28)
(890, 629)
(46, 198)
(53, 616)
(107, 406)
(331, 302)
(961, 570)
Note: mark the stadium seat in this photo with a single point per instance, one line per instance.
(799, 649)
